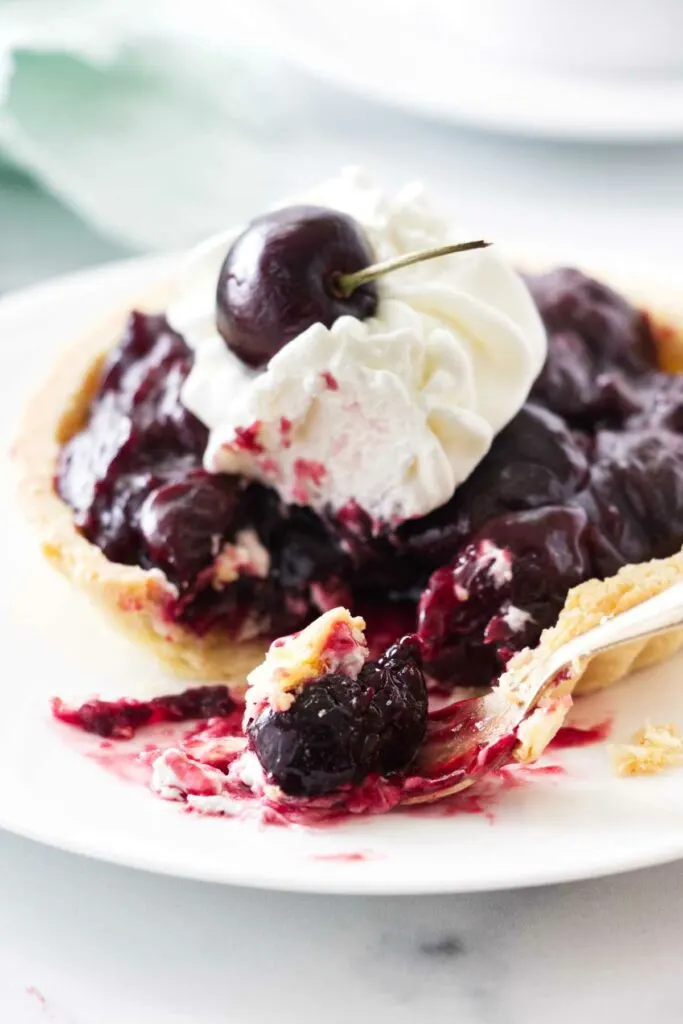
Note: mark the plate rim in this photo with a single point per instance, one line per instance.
(522, 120)
(345, 882)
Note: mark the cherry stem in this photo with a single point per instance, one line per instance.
(345, 284)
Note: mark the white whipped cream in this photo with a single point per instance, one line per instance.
(393, 412)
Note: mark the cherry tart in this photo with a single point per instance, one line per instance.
(575, 513)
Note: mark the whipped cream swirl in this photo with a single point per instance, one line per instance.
(393, 412)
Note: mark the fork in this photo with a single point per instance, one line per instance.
(470, 738)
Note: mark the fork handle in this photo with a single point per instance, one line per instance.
(658, 615)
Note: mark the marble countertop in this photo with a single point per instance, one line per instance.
(87, 943)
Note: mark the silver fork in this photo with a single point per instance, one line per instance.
(469, 738)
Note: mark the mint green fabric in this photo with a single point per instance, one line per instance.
(40, 237)
(152, 132)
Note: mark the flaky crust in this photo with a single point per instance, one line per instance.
(135, 599)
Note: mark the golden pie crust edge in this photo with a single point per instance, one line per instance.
(135, 599)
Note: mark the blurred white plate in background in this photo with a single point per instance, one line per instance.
(589, 69)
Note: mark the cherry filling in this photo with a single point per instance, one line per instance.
(588, 476)
(340, 730)
(601, 349)
(488, 604)
(134, 478)
(121, 719)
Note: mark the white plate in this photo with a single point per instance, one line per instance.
(555, 828)
(419, 60)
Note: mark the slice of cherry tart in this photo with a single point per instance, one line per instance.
(205, 568)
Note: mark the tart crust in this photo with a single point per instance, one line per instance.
(135, 600)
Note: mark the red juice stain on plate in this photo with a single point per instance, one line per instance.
(37, 995)
(126, 764)
(130, 759)
(483, 798)
(208, 741)
(581, 736)
(513, 776)
(350, 857)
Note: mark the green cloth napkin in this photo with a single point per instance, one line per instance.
(153, 127)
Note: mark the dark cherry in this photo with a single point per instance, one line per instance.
(535, 461)
(184, 524)
(600, 346)
(279, 278)
(661, 404)
(340, 730)
(635, 496)
(503, 588)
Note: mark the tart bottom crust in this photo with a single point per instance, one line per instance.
(135, 599)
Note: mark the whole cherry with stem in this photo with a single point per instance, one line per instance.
(299, 266)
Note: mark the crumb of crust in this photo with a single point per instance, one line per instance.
(334, 642)
(652, 749)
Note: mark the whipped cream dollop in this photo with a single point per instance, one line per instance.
(391, 413)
